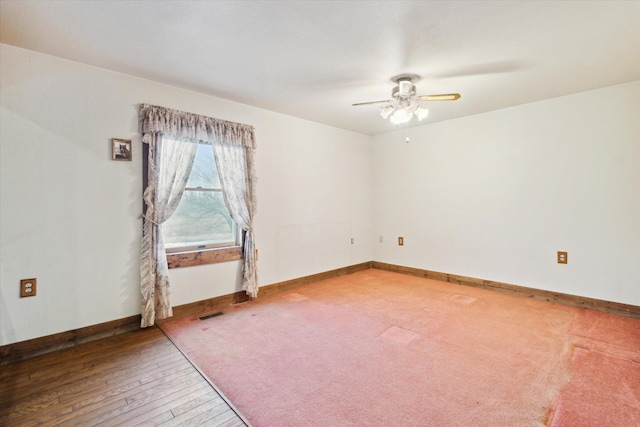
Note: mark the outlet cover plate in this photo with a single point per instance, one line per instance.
(28, 287)
(562, 257)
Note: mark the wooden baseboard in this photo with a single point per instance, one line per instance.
(37, 346)
(556, 297)
(294, 283)
(214, 304)
(210, 304)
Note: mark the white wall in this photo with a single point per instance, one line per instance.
(492, 196)
(495, 196)
(69, 214)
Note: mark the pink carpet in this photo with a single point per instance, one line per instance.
(378, 349)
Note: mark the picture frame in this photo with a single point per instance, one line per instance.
(121, 149)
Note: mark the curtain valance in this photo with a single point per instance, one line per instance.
(181, 125)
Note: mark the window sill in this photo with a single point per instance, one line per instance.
(210, 256)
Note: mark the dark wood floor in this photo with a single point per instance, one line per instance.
(133, 379)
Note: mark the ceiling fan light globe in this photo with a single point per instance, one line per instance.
(385, 111)
(422, 113)
(400, 116)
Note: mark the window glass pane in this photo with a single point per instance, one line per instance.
(204, 173)
(200, 219)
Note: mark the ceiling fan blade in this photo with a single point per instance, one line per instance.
(371, 102)
(441, 97)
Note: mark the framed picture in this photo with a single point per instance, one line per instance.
(120, 149)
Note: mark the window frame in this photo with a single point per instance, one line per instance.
(187, 256)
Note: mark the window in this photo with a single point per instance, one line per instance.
(201, 230)
(201, 220)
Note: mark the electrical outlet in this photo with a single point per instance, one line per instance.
(28, 288)
(400, 241)
(562, 258)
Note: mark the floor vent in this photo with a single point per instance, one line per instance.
(209, 316)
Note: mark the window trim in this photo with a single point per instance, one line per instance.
(204, 256)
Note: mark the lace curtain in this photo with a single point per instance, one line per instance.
(170, 164)
(232, 162)
(173, 138)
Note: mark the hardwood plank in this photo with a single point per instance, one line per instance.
(195, 403)
(136, 378)
(114, 345)
(98, 406)
(203, 394)
(162, 395)
(37, 404)
(79, 416)
(130, 389)
(162, 377)
(63, 371)
(220, 418)
(80, 382)
(204, 414)
(27, 410)
(40, 418)
(207, 408)
(154, 421)
(232, 422)
(38, 346)
(107, 396)
(103, 396)
(157, 420)
(95, 380)
(140, 409)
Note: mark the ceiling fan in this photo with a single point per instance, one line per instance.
(405, 102)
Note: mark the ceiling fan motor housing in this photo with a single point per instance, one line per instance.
(405, 88)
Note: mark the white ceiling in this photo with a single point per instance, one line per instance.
(313, 59)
